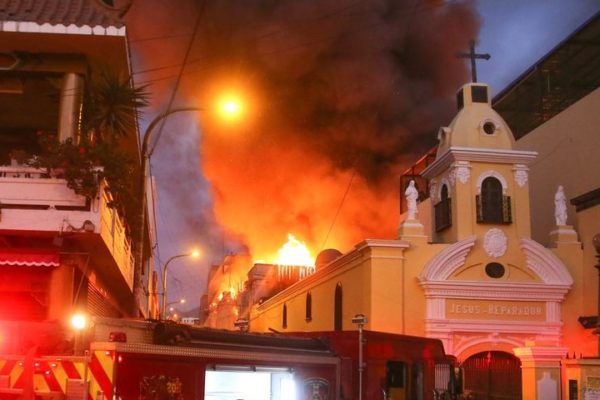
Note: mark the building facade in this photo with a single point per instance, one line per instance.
(62, 249)
(473, 277)
(494, 254)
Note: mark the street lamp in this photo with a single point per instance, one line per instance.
(180, 301)
(194, 254)
(230, 108)
(171, 309)
(139, 264)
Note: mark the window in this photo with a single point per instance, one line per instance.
(479, 94)
(308, 307)
(493, 207)
(494, 270)
(460, 100)
(394, 377)
(337, 308)
(284, 317)
(489, 128)
(443, 212)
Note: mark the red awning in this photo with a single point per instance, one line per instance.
(29, 258)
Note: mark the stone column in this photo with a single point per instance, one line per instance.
(70, 106)
(540, 371)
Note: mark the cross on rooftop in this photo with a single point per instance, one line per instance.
(473, 56)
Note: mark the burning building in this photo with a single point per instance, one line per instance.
(239, 284)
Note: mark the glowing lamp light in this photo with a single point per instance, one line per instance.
(230, 107)
(78, 321)
(195, 253)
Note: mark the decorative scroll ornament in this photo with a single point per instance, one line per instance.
(433, 190)
(495, 242)
(462, 171)
(452, 176)
(521, 175)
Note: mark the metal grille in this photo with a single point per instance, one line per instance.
(493, 375)
(493, 213)
(98, 304)
(442, 377)
(443, 215)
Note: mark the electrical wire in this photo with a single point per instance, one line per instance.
(179, 76)
(337, 212)
(294, 47)
(339, 208)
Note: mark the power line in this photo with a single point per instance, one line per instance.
(294, 47)
(179, 76)
(174, 92)
(337, 212)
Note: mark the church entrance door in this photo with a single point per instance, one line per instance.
(493, 375)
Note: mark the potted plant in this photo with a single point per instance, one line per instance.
(110, 109)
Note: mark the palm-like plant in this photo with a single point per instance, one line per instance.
(110, 110)
(111, 107)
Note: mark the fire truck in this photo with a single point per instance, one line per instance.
(160, 360)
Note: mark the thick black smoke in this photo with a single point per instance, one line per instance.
(342, 96)
(362, 83)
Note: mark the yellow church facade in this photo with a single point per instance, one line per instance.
(463, 268)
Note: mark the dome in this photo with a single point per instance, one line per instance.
(476, 125)
(325, 257)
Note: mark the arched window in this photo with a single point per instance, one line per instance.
(443, 212)
(308, 307)
(337, 308)
(493, 207)
(284, 317)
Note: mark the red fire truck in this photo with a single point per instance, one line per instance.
(152, 360)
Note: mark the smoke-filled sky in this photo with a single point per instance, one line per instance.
(341, 96)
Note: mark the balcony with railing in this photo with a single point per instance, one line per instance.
(33, 200)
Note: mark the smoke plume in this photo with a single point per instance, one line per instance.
(342, 96)
(341, 93)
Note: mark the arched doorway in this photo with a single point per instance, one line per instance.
(493, 375)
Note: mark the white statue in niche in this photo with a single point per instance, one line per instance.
(411, 195)
(560, 206)
(547, 388)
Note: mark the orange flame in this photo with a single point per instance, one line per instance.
(294, 252)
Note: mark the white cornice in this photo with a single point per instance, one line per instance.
(335, 268)
(453, 154)
(491, 326)
(447, 260)
(34, 27)
(397, 244)
(545, 263)
(516, 291)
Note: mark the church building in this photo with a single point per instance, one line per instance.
(463, 268)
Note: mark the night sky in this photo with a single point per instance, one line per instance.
(345, 94)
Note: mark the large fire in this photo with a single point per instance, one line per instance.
(294, 252)
(334, 110)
